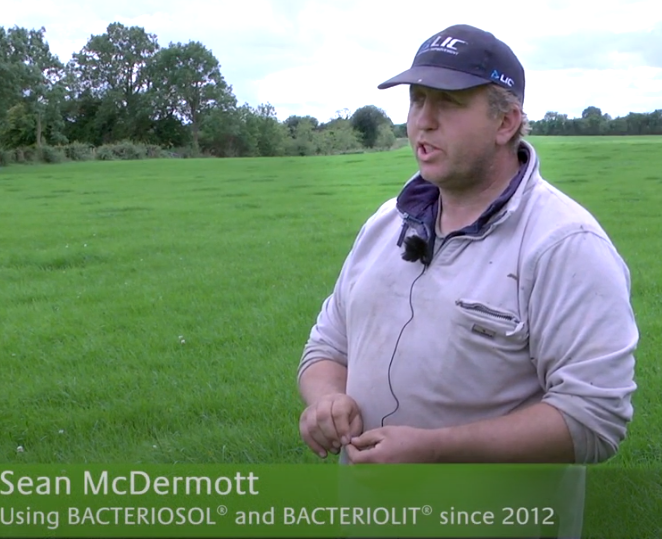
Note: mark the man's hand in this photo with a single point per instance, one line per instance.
(392, 445)
(330, 423)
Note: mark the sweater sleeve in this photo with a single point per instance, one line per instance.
(583, 335)
(328, 337)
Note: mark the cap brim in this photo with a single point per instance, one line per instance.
(435, 77)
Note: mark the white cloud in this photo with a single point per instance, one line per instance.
(316, 57)
(353, 58)
(615, 91)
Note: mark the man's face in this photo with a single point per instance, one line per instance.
(453, 135)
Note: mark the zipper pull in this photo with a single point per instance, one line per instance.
(519, 328)
(403, 231)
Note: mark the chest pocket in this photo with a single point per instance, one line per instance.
(481, 328)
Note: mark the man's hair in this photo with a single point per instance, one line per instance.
(501, 102)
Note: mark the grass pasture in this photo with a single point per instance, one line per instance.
(154, 311)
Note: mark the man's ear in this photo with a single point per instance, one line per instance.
(510, 124)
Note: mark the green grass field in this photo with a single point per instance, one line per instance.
(155, 311)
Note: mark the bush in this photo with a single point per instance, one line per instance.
(77, 151)
(183, 152)
(25, 154)
(154, 151)
(385, 137)
(105, 153)
(49, 154)
(126, 150)
(7, 157)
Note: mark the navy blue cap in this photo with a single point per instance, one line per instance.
(462, 57)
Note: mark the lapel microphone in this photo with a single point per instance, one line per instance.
(416, 248)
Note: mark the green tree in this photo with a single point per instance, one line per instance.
(304, 139)
(31, 80)
(592, 121)
(187, 83)
(293, 121)
(111, 68)
(366, 120)
(271, 134)
(339, 136)
(385, 137)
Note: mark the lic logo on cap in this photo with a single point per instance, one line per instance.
(502, 78)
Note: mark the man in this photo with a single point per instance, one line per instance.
(482, 315)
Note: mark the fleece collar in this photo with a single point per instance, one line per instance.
(418, 202)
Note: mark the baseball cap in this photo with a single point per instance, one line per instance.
(461, 57)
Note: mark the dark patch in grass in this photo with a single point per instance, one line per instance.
(38, 197)
(206, 189)
(133, 208)
(69, 262)
(284, 215)
(94, 192)
(13, 189)
(233, 195)
(45, 262)
(323, 193)
(652, 178)
(597, 157)
(128, 209)
(573, 180)
(248, 206)
(231, 180)
(354, 161)
(63, 191)
(301, 186)
(113, 212)
(24, 299)
(261, 180)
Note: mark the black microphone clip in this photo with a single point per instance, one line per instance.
(416, 248)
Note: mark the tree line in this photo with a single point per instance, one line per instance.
(123, 95)
(593, 122)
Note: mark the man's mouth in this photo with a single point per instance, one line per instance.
(426, 150)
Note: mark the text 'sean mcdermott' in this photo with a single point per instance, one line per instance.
(136, 483)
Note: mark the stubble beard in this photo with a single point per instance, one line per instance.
(464, 177)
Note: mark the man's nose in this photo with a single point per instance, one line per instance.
(427, 116)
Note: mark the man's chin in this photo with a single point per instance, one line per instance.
(431, 175)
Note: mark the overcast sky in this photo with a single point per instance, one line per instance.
(319, 56)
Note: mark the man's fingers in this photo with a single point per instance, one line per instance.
(358, 456)
(341, 411)
(364, 449)
(311, 434)
(326, 424)
(329, 424)
(318, 431)
(355, 427)
(310, 442)
(367, 439)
